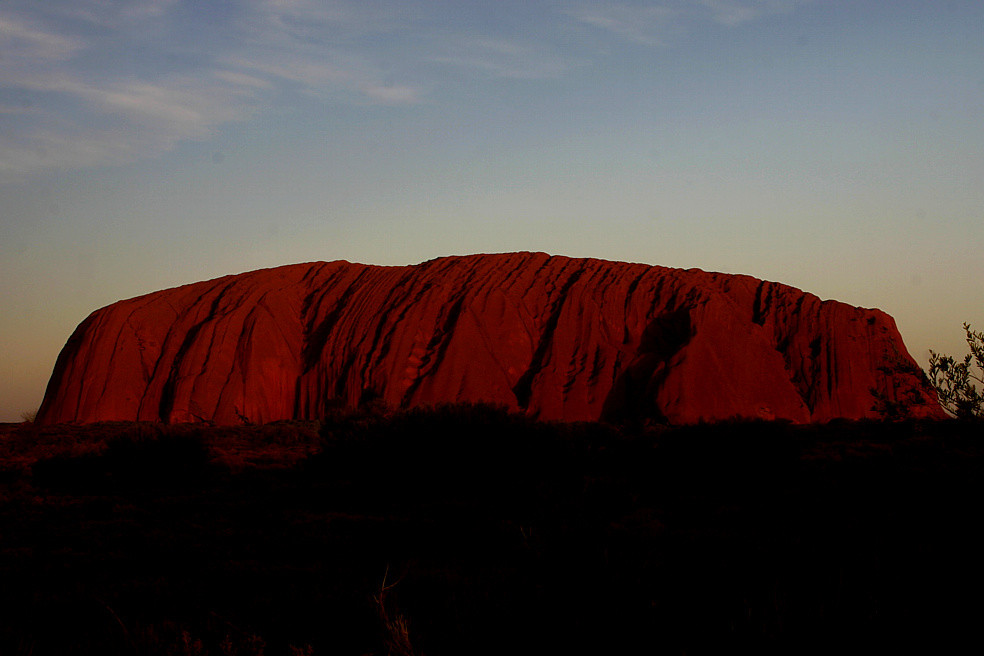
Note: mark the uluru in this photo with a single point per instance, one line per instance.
(554, 337)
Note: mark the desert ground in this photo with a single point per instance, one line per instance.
(465, 529)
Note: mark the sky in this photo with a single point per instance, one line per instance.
(833, 145)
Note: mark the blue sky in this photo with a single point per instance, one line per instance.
(837, 146)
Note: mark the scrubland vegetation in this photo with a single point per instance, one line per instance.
(467, 530)
(956, 381)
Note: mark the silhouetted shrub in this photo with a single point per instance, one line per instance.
(956, 381)
(445, 455)
(147, 458)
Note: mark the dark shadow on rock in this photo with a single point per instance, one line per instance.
(632, 397)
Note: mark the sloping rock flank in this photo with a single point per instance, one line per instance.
(559, 338)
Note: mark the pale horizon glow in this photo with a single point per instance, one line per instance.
(831, 145)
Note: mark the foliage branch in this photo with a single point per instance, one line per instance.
(956, 381)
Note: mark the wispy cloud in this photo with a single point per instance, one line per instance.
(729, 12)
(312, 19)
(117, 13)
(393, 95)
(15, 109)
(19, 40)
(668, 22)
(285, 66)
(322, 48)
(180, 105)
(111, 81)
(507, 58)
(114, 122)
(331, 76)
(242, 79)
(648, 25)
(735, 12)
(47, 148)
(90, 82)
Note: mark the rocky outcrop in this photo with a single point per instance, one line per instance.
(559, 338)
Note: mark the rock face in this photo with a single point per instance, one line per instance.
(559, 338)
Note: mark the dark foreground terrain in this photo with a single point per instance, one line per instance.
(465, 530)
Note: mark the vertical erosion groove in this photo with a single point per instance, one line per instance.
(523, 390)
(763, 302)
(315, 338)
(170, 386)
(438, 345)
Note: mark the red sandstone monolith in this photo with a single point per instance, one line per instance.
(555, 337)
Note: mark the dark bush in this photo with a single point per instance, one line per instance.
(141, 460)
(448, 455)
